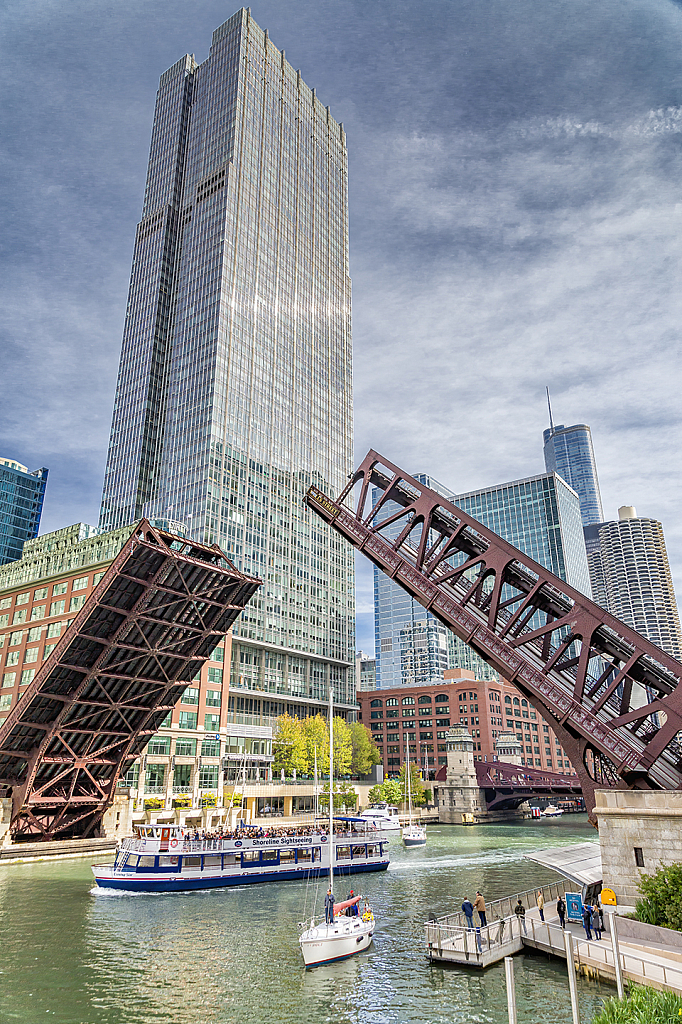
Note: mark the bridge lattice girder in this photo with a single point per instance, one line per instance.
(120, 667)
(508, 785)
(612, 696)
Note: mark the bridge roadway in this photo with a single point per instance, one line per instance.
(506, 786)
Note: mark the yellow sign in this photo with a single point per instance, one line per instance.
(608, 897)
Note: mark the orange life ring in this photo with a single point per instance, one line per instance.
(173, 843)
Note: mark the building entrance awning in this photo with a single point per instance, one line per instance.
(579, 863)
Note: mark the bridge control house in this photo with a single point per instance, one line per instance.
(421, 716)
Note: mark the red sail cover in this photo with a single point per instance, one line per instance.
(340, 907)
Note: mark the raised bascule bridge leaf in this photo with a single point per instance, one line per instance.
(143, 635)
(613, 698)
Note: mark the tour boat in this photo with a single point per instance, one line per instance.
(385, 817)
(169, 858)
(345, 931)
(551, 811)
(413, 835)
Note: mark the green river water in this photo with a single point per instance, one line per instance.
(72, 955)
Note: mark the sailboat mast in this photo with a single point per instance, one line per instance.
(332, 849)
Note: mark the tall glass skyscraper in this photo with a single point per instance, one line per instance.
(235, 384)
(569, 452)
(21, 506)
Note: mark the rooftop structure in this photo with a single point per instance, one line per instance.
(21, 506)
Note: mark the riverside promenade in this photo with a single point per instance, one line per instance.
(643, 959)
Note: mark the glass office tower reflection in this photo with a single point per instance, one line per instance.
(235, 386)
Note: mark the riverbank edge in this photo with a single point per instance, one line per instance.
(67, 849)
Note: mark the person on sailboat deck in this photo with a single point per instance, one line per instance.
(329, 906)
(352, 911)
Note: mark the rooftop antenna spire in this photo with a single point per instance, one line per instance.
(549, 406)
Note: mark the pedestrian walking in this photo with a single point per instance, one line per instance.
(561, 911)
(541, 904)
(520, 912)
(596, 923)
(468, 909)
(479, 905)
(587, 913)
(329, 906)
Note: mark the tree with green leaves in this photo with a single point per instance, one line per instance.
(389, 792)
(345, 797)
(661, 901)
(316, 738)
(364, 752)
(288, 747)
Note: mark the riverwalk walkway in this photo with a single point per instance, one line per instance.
(449, 940)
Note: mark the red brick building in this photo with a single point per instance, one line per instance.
(421, 716)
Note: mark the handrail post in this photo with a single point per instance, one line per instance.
(511, 993)
(572, 985)
(616, 953)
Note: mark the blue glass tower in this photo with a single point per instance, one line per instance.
(569, 452)
(21, 505)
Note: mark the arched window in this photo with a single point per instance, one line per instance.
(524, 703)
(516, 702)
(507, 700)
(376, 704)
(408, 700)
(392, 702)
(424, 699)
(442, 698)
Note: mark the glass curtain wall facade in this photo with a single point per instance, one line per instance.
(235, 383)
(21, 506)
(569, 452)
(539, 515)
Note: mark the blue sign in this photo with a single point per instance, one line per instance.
(574, 906)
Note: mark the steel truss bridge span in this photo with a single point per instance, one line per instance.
(506, 786)
(612, 696)
(140, 639)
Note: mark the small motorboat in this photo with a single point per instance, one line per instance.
(384, 816)
(551, 811)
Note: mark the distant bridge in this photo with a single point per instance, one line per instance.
(613, 698)
(506, 786)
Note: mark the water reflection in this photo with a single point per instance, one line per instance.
(231, 956)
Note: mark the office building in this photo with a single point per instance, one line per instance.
(235, 383)
(21, 505)
(40, 596)
(365, 672)
(420, 716)
(632, 579)
(569, 452)
(541, 516)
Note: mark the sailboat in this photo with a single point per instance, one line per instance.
(343, 936)
(413, 835)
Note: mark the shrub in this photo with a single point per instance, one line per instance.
(642, 1006)
(182, 801)
(153, 803)
(209, 800)
(662, 898)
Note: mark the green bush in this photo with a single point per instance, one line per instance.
(643, 1006)
(153, 803)
(661, 901)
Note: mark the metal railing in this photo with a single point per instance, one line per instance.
(478, 944)
(635, 966)
(504, 908)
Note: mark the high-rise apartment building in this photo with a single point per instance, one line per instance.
(235, 390)
(632, 579)
(569, 452)
(21, 505)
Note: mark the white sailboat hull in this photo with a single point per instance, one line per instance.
(325, 943)
(414, 835)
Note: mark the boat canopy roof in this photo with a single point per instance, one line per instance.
(579, 863)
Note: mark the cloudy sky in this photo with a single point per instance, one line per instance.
(516, 220)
